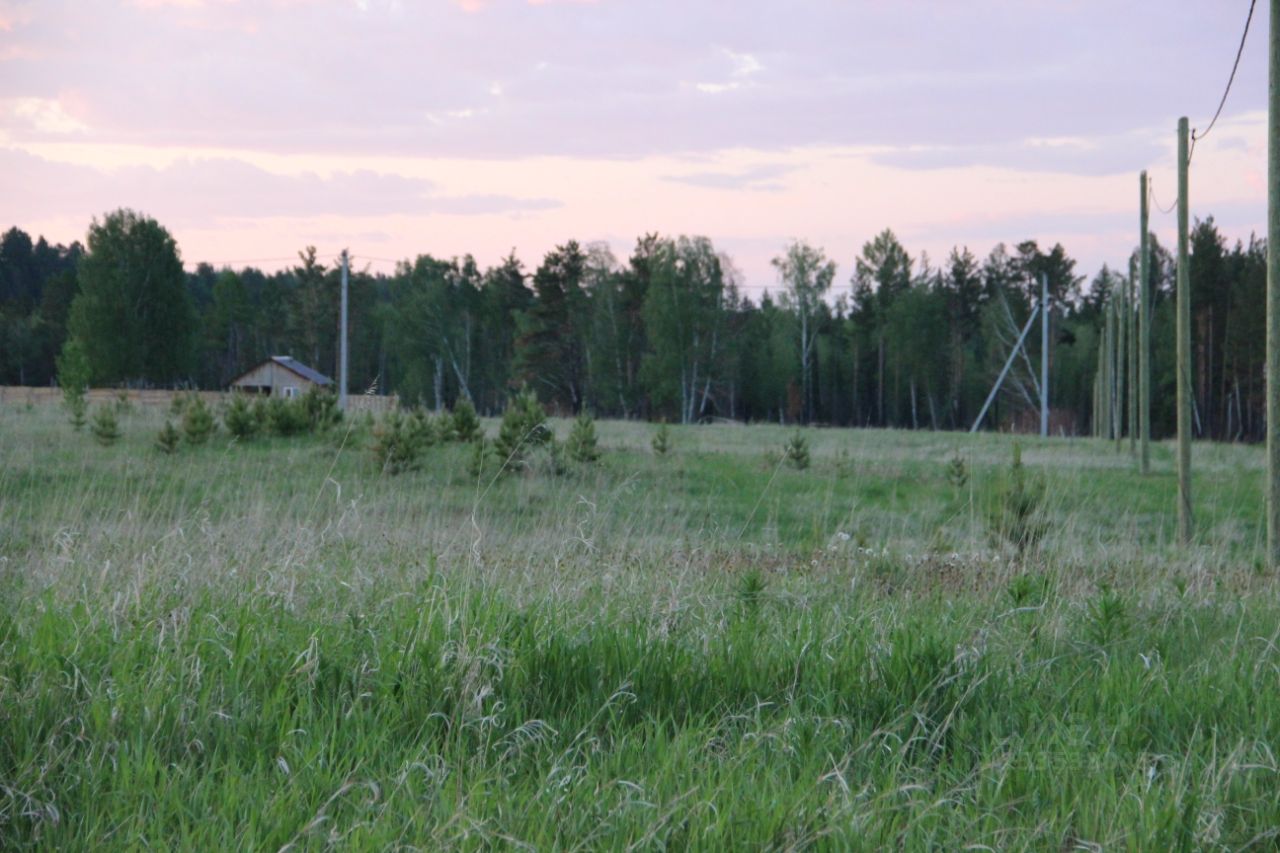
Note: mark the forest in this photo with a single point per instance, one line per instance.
(667, 333)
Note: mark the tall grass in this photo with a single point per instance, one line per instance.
(272, 645)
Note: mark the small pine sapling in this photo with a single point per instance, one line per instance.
(464, 422)
(479, 463)
(797, 451)
(321, 408)
(240, 419)
(1016, 512)
(105, 428)
(524, 428)
(661, 442)
(168, 439)
(395, 446)
(197, 422)
(957, 472)
(583, 444)
(73, 375)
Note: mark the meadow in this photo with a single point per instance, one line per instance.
(274, 645)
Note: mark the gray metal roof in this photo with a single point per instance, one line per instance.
(290, 363)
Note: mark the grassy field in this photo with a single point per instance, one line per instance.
(272, 645)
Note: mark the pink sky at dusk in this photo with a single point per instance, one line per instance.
(253, 129)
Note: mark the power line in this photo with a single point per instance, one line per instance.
(1151, 191)
(1195, 135)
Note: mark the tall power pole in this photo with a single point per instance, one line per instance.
(1273, 290)
(1044, 352)
(1131, 334)
(1185, 520)
(1121, 342)
(342, 338)
(1144, 329)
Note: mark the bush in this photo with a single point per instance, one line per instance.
(73, 375)
(797, 451)
(395, 445)
(464, 423)
(481, 452)
(321, 409)
(240, 419)
(287, 418)
(1016, 509)
(105, 429)
(661, 442)
(583, 445)
(167, 440)
(197, 422)
(524, 428)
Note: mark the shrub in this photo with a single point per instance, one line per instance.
(524, 428)
(797, 451)
(1016, 510)
(167, 440)
(197, 422)
(957, 472)
(425, 428)
(321, 408)
(239, 419)
(287, 418)
(464, 423)
(661, 442)
(395, 446)
(105, 429)
(583, 446)
(73, 375)
(123, 404)
(481, 452)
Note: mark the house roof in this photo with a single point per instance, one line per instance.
(293, 365)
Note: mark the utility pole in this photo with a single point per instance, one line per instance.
(1118, 307)
(1185, 520)
(1044, 353)
(342, 338)
(1273, 290)
(1131, 334)
(1109, 369)
(1144, 328)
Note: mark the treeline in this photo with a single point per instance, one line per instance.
(666, 333)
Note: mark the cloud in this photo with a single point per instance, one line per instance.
(762, 178)
(207, 190)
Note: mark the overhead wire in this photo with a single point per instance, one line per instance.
(1196, 135)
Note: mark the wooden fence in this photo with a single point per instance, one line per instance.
(19, 395)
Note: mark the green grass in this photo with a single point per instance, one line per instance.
(271, 645)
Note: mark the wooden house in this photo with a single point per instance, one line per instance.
(280, 376)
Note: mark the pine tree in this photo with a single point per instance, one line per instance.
(197, 422)
(524, 427)
(465, 423)
(167, 440)
(797, 451)
(105, 428)
(239, 419)
(661, 442)
(73, 376)
(583, 446)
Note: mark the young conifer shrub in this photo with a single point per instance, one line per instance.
(321, 409)
(105, 428)
(464, 422)
(197, 422)
(287, 418)
(239, 418)
(73, 376)
(395, 446)
(481, 460)
(583, 444)
(1016, 510)
(168, 439)
(797, 451)
(661, 442)
(524, 428)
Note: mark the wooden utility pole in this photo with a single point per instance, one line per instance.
(1118, 307)
(342, 338)
(1186, 523)
(1273, 289)
(1109, 368)
(1131, 335)
(1044, 355)
(1144, 328)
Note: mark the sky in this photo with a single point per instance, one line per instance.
(254, 128)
